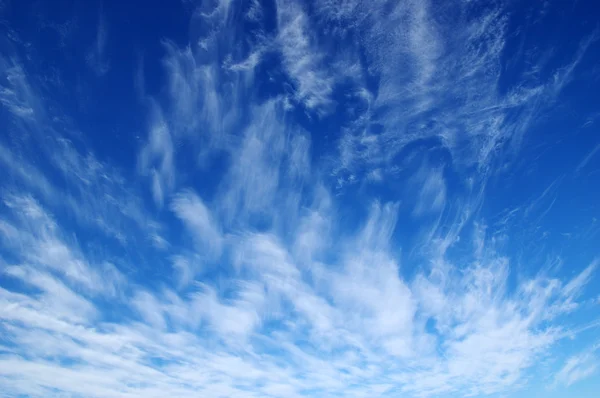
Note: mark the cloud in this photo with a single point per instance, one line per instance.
(302, 60)
(432, 193)
(16, 93)
(33, 227)
(97, 58)
(573, 288)
(206, 233)
(22, 171)
(587, 159)
(163, 354)
(431, 89)
(196, 216)
(308, 214)
(156, 157)
(577, 368)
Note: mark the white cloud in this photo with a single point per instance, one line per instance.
(577, 368)
(96, 58)
(36, 230)
(26, 173)
(190, 209)
(16, 93)
(92, 186)
(269, 166)
(149, 309)
(574, 287)
(441, 82)
(55, 296)
(432, 191)
(269, 280)
(301, 58)
(587, 158)
(235, 320)
(156, 158)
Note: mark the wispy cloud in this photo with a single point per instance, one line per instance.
(432, 89)
(473, 317)
(301, 58)
(587, 159)
(299, 220)
(96, 58)
(207, 235)
(432, 191)
(156, 158)
(577, 368)
(15, 93)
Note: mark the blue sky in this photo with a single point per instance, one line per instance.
(274, 198)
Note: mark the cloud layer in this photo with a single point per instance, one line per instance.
(310, 209)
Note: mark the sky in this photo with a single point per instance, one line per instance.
(280, 198)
